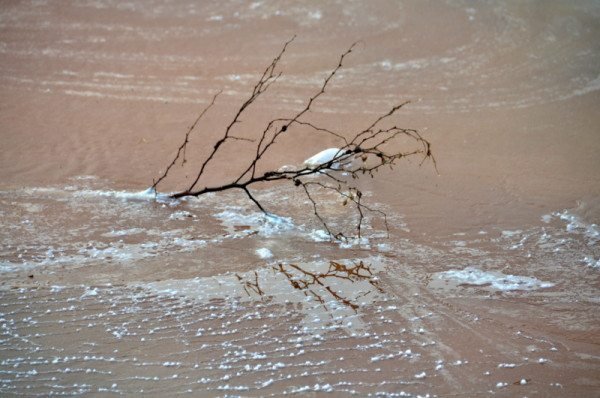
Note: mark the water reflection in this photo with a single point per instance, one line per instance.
(325, 294)
(318, 284)
(254, 286)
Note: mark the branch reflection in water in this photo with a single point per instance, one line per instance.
(320, 285)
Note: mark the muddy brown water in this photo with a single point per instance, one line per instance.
(486, 285)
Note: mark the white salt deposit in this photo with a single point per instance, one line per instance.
(89, 292)
(384, 247)
(264, 224)
(512, 233)
(317, 14)
(494, 279)
(326, 156)
(507, 365)
(360, 242)
(319, 235)
(188, 244)
(591, 262)
(148, 194)
(123, 232)
(264, 253)
(421, 375)
(576, 225)
(181, 215)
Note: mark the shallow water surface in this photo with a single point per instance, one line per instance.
(486, 282)
(112, 291)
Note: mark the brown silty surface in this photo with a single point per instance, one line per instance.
(486, 285)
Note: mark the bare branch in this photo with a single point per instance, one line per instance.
(360, 154)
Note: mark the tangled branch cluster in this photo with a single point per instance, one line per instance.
(364, 153)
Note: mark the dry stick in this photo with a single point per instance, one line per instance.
(366, 144)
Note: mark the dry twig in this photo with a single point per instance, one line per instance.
(365, 153)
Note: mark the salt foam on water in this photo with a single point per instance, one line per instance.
(576, 225)
(494, 279)
(148, 194)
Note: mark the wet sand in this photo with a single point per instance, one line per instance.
(487, 284)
